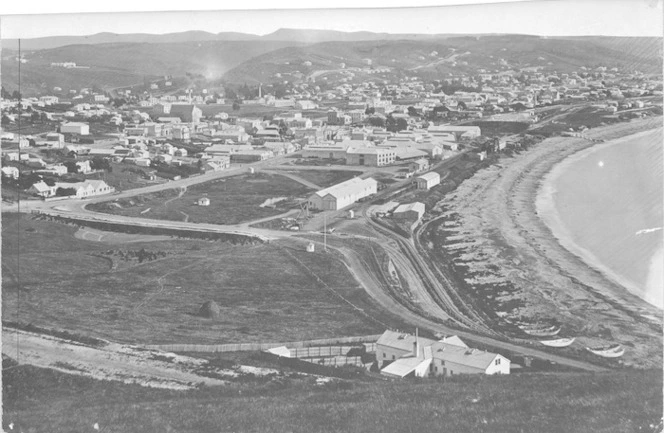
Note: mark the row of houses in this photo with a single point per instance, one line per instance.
(89, 188)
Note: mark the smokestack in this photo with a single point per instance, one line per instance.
(416, 344)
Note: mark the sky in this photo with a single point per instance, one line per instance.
(537, 17)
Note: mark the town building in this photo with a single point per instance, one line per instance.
(427, 180)
(371, 156)
(88, 188)
(217, 164)
(42, 189)
(409, 212)
(10, 172)
(343, 194)
(459, 132)
(75, 128)
(421, 164)
(185, 112)
(331, 151)
(404, 355)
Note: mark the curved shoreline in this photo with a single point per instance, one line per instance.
(528, 276)
(548, 213)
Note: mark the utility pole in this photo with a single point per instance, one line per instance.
(325, 231)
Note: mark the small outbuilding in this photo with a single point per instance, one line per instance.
(203, 201)
(409, 212)
(428, 180)
(311, 247)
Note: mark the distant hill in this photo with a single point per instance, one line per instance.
(109, 38)
(317, 36)
(435, 58)
(294, 55)
(124, 64)
(300, 35)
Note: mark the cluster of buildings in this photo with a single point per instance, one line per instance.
(377, 147)
(403, 355)
(348, 121)
(88, 188)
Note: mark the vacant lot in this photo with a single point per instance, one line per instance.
(233, 200)
(150, 292)
(325, 178)
(41, 400)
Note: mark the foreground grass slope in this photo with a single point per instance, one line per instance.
(39, 400)
(150, 292)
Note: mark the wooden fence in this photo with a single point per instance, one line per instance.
(256, 347)
(337, 361)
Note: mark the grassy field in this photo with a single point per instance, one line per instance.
(124, 177)
(39, 400)
(150, 292)
(326, 178)
(233, 200)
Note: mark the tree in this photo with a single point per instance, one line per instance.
(376, 121)
(370, 110)
(64, 192)
(71, 166)
(230, 93)
(236, 106)
(16, 95)
(396, 125)
(100, 163)
(5, 120)
(412, 112)
(5, 94)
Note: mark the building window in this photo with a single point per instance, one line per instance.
(498, 361)
(384, 355)
(393, 357)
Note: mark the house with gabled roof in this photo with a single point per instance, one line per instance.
(343, 194)
(401, 355)
(42, 189)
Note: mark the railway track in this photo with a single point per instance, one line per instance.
(429, 284)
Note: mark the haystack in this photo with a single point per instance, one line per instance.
(209, 310)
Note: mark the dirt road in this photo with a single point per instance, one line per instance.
(128, 364)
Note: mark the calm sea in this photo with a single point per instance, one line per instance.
(609, 200)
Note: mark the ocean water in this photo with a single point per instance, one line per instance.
(609, 206)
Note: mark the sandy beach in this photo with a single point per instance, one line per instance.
(496, 211)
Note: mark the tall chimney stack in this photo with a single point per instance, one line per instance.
(416, 344)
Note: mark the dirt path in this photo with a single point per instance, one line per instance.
(294, 177)
(113, 362)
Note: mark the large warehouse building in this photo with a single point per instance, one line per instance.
(343, 194)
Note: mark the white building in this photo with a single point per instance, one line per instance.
(459, 132)
(428, 180)
(343, 194)
(88, 188)
(371, 156)
(42, 189)
(401, 355)
(75, 128)
(10, 172)
(332, 151)
(409, 212)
